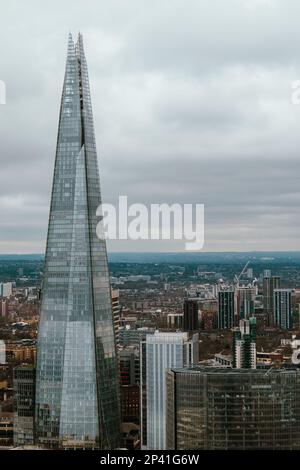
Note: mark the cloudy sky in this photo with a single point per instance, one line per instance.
(192, 103)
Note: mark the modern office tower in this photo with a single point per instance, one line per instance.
(244, 345)
(226, 309)
(133, 337)
(24, 404)
(77, 389)
(129, 358)
(245, 297)
(6, 289)
(283, 308)
(267, 273)
(191, 320)
(164, 350)
(233, 409)
(269, 284)
(116, 313)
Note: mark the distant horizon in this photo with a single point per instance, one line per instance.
(187, 253)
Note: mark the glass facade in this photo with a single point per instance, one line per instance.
(77, 390)
(226, 317)
(24, 395)
(219, 408)
(164, 350)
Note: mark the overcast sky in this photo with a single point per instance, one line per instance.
(192, 103)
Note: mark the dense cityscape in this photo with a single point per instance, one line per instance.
(232, 315)
(164, 319)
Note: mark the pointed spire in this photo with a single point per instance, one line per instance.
(70, 43)
(79, 46)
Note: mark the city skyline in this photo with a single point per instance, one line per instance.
(181, 115)
(149, 248)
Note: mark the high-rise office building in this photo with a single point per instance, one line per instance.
(191, 312)
(164, 350)
(77, 389)
(24, 399)
(133, 336)
(244, 345)
(225, 409)
(129, 359)
(6, 289)
(245, 297)
(283, 308)
(226, 316)
(269, 284)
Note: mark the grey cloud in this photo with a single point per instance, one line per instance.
(191, 103)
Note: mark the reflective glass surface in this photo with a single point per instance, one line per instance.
(77, 398)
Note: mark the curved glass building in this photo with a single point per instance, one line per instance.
(233, 409)
(77, 390)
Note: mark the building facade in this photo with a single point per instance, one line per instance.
(164, 350)
(269, 284)
(283, 308)
(77, 390)
(245, 297)
(191, 315)
(226, 316)
(244, 345)
(233, 409)
(24, 405)
(115, 301)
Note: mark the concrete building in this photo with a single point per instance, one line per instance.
(191, 314)
(269, 284)
(226, 317)
(24, 404)
(133, 336)
(175, 320)
(129, 365)
(6, 289)
(244, 345)
(245, 297)
(164, 350)
(283, 308)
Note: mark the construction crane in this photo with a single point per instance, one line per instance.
(237, 278)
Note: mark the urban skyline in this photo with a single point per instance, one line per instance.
(165, 312)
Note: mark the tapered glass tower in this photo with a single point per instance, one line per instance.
(77, 399)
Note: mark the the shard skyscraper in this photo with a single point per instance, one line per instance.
(77, 389)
